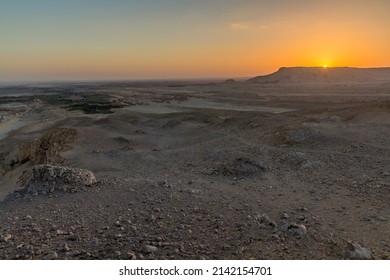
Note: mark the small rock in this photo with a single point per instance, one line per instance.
(382, 219)
(297, 229)
(131, 256)
(118, 253)
(192, 191)
(303, 217)
(5, 238)
(95, 241)
(265, 221)
(51, 256)
(148, 249)
(140, 131)
(357, 252)
(73, 237)
(61, 232)
(285, 216)
(66, 248)
(274, 237)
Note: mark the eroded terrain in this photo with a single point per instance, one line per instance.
(197, 171)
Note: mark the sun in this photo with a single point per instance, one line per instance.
(325, 65)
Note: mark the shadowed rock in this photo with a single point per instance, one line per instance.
(38, 151)
(46, 179)
(357, 252)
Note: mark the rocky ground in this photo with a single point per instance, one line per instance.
(97, 180)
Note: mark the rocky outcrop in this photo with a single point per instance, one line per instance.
(46, 179)
(38, 151)
(62, 175)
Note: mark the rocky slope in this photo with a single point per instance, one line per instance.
(204, 183)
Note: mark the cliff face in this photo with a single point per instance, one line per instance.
(318, 75)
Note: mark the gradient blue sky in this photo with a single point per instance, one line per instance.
(118, 39)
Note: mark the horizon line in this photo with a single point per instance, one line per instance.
(169, 79)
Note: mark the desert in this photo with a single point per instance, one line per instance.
(292, 165)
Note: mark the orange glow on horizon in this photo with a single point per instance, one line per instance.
(237, 42)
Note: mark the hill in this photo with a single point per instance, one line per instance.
(297, 75)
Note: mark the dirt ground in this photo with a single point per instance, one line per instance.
(199, 170)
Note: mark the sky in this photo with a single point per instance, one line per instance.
(133, 39)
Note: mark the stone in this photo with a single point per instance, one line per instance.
(356, 252)
(266, 221)
(62, 174)
(66, 248)
(148, 249)
(5, 238)
(131, 256)
(243, 167)
(297, 229)
(164, 184)
(61, 232)
(118, 253)
(192, 191)
(285, 216)
(73, 237)
(51, 256)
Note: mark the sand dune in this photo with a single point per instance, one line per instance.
(302, 75)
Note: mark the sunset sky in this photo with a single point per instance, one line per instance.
(133, 39)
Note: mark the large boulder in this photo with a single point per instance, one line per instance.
(45, 179)
(62, 175)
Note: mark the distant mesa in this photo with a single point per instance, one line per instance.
(324, 75)
(230, 81)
